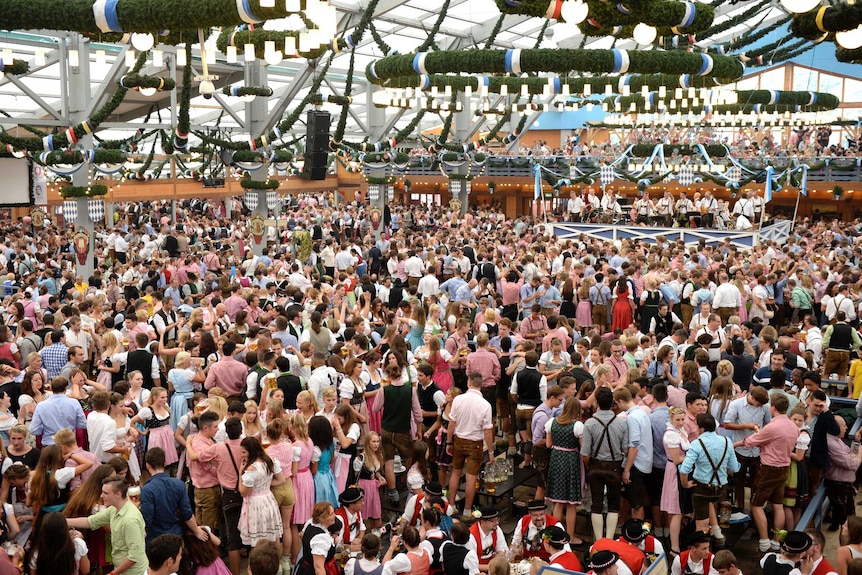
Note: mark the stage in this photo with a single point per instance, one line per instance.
(777, 232)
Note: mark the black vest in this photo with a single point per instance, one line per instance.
(664, 324)
(291, 386)
(528, 387)
(426, 402)
(306, 565)
(842, 337)
(141, 360)
(453, 559)
(437, 556)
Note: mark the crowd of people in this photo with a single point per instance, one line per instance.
(190, 399)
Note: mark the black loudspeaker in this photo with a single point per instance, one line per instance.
(316, 145)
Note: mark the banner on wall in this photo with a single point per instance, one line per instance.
(40, 186)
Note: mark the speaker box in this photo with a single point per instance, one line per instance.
(316, 145)
(315, 165)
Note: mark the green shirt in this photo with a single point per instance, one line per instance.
(127, 535)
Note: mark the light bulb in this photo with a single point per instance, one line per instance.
(850, 39)
(644, 34)
(130, 58)
(147, 91)
(267, 3)
(574, 11)
(800, 6)
(249, 52)
(181, 56)
(290, 46)
(158, 58)
(143, 42)
(292, 6)
(40, 58)
(230, 54)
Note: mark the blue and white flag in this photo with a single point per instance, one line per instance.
(537, 170)
(70, 210)
(96, 210)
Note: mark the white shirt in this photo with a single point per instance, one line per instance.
(401, 563)
(102, 431)
(487, 538)
(414, 267)
(692, 567)
(321, 378)
(428, 286)
(726, 295)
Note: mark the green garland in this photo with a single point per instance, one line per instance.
(389, 68)
(133, 15)
(495, 32)
(384, 157)
(264, 91)
(788, 53)
(755, 35)
(247, 156)
(746, 98)
(429, 40)
(181, 134)
(71, 157)
(258, 36)
(384, 47)
(380, 181)
(132, 81)
(17, 67)
(735, 21)
(93, 122)
(249, 184)
(90, 191)
(833, 19)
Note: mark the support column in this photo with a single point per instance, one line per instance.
(376, 119)
(256, 118)
(79, 97)
(174, 211)
(462, 134)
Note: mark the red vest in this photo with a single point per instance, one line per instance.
(341, 513)
(485, 555)
(527, 545)
(649, 544)
(417, 510)
(823, 567)
(683, 561)
(568, 560)
(629, 554)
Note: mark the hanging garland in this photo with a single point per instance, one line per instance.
(546, 60)
(747, 101)
(429, 40)
(249, 184)
(264, 91)
(72, 157)
(136, 81)
(17, 67)
(755, 35)
(92, 190)
(495, 31)
(818, 23)
(384, 47)
(58, 140)
(735, 21)
(345, 105)
(259, 36)
(145, 16)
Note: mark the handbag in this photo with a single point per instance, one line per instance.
(231, 498)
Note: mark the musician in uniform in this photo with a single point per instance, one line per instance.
(744, 212)
(576, 207)
(593, 205)
(664, 209)
(611, 209)
(644, 209)
(685, 210)
(708, 210)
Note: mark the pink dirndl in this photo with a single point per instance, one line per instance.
(303, 484)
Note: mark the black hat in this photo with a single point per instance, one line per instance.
(536, 505)
(433, 488)
(556, 535)
(602, 560)
(697, 537)
(488, 512)
(351, 495)
(796, 542)
(634, 530)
